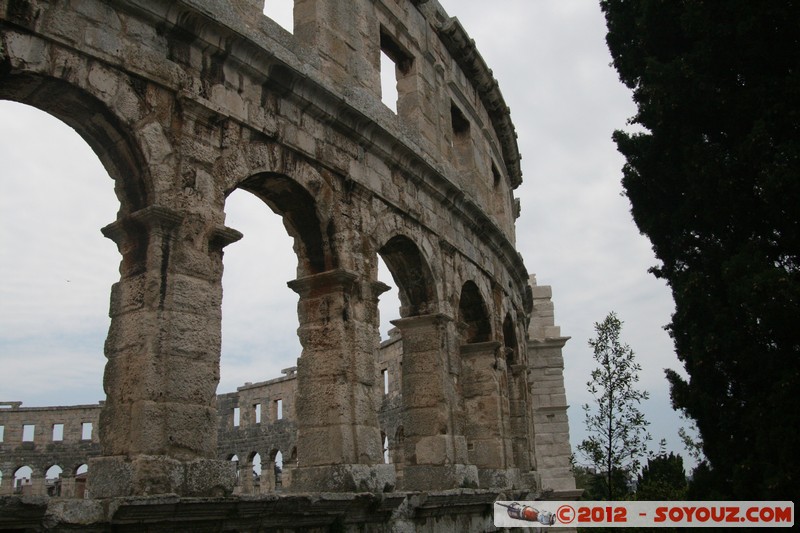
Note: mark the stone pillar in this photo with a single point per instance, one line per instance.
(344, 34)
(338, 437)
(245, 476)
(67, 485)
(38, 484)
(484, 389)
(6, 484)
(520, 417)
(158, 426)
(552, 449)
(267, 476)
(434, 447)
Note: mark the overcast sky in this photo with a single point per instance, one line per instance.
(575, 231)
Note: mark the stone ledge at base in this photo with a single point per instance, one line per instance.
(464, 510)
(439, 477)
(118, 476)
(347, 478)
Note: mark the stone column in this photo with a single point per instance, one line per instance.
(548, 397)
(519, 422)
(484, 389)
(344, 35)
(246, 476)
(267, 475)
(434, 448)
(338, 437)
(158, 426)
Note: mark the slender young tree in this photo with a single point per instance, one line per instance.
(617, 428)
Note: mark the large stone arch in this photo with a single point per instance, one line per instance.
(412, 274)
(70, 96)
(297, 208)
(484, 392)
(474, 314)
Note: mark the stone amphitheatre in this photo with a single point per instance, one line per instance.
(186, 101)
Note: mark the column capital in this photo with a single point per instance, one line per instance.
(475, 348)
(378, 288)
(154, 217)
(221, 236)
(421, 321)
(324, 282)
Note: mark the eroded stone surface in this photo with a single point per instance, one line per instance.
(186, 101)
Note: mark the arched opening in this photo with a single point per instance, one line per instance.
(56, 268)
(411, 276)
(510, 341)
(389, 302)
(298, 209)
(258, 309)
(23, 480)
(256, 461)
(235, 460)
(81, 475)
(278, 460)
(398, 453)
(473, 315)
(109, 140)
(52, 480)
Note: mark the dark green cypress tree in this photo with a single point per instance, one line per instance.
(714, 183)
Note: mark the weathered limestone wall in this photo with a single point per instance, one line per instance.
(186, 101)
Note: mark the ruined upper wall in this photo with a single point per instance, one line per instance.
(41, 437)
(450, 110)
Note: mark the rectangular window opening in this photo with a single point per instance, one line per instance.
(86, 431)
(27, 432)
(2, 433)
(257, 409)
(385, 373)
(58, 432)
(495, 175)
(236, 417)
(461, 142)
(388, 83)
(278, 409)
(459, 122)
(395, 64)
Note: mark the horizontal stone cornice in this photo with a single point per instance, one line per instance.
(553, 342)
(479, 348)
(421, 321)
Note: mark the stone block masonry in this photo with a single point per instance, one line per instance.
(187, 101)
